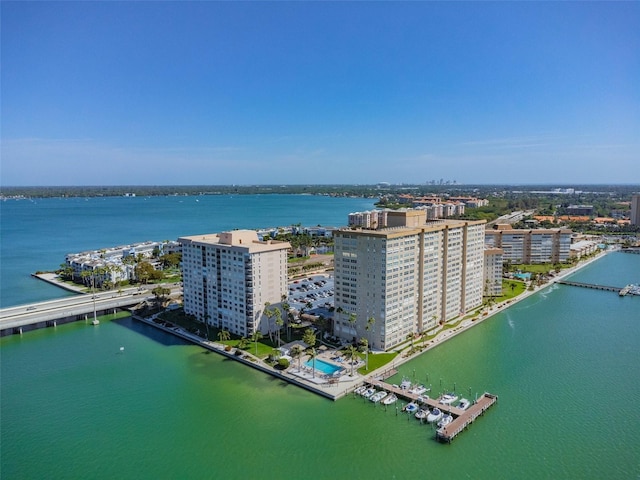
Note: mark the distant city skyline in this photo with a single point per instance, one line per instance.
(213, 93)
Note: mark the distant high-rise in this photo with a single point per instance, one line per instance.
(635, 210)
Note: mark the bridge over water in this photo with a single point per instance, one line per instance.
(65, 310)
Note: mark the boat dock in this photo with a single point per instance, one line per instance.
(462, 418)
(460, 423)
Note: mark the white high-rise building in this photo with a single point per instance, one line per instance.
(403, 280)
(228, 278)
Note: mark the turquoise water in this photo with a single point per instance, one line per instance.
(563, 363)
(323, 366)
(36, 235)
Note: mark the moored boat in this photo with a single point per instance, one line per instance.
(422, 413)
(418, 389)
(448, 398)
(445, 420)
(434, 415)
(376, 397)
(411, 407)
(464, 404)
(368, 392)
(389, 399)
(360, 390)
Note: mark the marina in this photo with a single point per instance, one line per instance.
(458, 417)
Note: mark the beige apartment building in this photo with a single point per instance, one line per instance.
(228, 278)
(530, 246)
(493, 260)
(406, 278)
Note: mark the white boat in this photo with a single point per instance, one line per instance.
(445, 420)
(448, 398)
(95, 321)
(422, 413)
(360, 390)
(389, 399)
(376, 397)
(464, 404)
(419, 389)
(368, 392)
(411, 407)
(434, 415)
(406, 384)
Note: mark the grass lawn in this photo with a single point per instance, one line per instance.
(510, 289)
(377, 360)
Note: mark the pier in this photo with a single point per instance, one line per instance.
(460, 423)
(462, 418)
(622, 291)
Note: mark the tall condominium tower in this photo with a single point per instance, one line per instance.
(228, 278)
(635, 210)
(404, 279)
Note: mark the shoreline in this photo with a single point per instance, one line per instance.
(465, 325)
(348, 383)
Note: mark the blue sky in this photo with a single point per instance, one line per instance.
(97, 93)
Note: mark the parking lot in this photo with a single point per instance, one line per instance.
(316, 290)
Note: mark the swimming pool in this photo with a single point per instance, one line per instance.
(323, 366)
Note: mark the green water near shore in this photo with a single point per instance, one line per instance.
(563, 363)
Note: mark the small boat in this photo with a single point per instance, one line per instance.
(448, 398)
(419, 390)
(376, 397)
(422, 414)
(434, 415)
(95, 321)
(445, 420)
(464, 404)
(411, 407)
(406, 384)
(389, 399)
(360, 390)
(368, 392)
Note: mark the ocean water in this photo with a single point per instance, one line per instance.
(563, 362)
(37, 234)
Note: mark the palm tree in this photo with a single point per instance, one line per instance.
(287, 309)
(296, 352)
(370, 323)
(279, 322)
(351, 353)
(255, 337)
(269, 314)
(313, 353)
(224, 335)
(352, 322)
(365, 346)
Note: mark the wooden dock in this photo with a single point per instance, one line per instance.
(462, 418)
(459, 424)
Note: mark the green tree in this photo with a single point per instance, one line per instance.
(224, 335)
(309, 337)
(312, 354)
(352, 354)
(364, 345)
(279, 322)
(296, 352)
(257, 335)
(352, 323)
